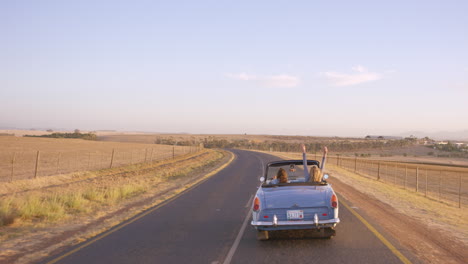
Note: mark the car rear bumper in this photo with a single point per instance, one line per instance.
(286, 225)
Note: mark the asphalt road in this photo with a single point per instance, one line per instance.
(211, 224)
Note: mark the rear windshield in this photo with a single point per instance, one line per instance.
(295, 173)
(292, 174)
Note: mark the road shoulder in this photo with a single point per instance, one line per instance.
(427, 243)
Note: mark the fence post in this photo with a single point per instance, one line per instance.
(386, 170)
(417, 178)
(459, 191)
(112, 159)
(394, 174)
(338, 160)
(76, 160)
(58, 162)
(425, 191)
(355, 164)
(13, 166)
(173, 152)
(146, 154)
(89, 159)
(378, 172)
(406, 175)
(151, 155)
(440, 176)
(37, 165)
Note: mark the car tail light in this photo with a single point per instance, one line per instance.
(256, 204)
(334, 201)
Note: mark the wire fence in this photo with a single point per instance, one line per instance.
(443, 183)
(33, 164)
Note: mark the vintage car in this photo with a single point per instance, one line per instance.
(295, 204)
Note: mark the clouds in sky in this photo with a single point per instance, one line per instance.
(279, 80)
(359, 75)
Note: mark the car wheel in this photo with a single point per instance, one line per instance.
(262, 235)
(329, 233)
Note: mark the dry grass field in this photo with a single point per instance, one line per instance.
(151, 137)
(416, 153)
(443, 183)
(18, 155)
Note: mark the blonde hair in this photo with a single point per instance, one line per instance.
(315, 174)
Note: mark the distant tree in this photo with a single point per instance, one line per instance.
(77, 131)
(87, 136)
(411, 138)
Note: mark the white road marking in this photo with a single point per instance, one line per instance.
(244, 224)
(238, 238)
(250, 200)
(263, 164)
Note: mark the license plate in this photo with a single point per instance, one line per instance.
(295, 214)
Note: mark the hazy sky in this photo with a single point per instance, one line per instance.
(336, 68)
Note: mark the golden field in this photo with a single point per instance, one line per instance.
(18, 155)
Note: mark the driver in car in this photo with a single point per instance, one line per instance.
(281, 177)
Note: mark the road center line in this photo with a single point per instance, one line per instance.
(238, 238)
(244, 225)
(249, 201)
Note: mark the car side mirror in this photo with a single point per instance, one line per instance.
(262, 179)
(325, 176)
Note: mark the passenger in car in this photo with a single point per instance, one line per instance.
(315, 174)
(281, 177)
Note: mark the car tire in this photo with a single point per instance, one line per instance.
(262, 235)
(329, 233)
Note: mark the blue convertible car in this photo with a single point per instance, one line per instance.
(295, 202)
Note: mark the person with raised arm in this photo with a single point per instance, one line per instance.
(315, 174)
